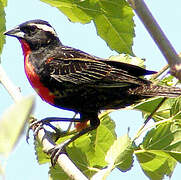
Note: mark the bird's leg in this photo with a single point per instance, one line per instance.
(70, 124)
(57, 150)
(36, 125)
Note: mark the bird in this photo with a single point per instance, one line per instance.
(71, 79)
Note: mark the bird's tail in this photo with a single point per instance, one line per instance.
(151, 90)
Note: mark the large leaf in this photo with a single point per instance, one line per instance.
(100, 142)
(156, 163)
(2, 23)
(12, 123)
(161, 149)
(121, 153)
(113, 19)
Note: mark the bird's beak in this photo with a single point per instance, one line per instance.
(15, 32)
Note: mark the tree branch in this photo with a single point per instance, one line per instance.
(63, 160)
(13, 91)
(154, 76)
(158, 36)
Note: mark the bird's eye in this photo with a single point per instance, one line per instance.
(32, 28)
(28, 29)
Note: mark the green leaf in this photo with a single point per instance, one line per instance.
(166, 137)
(176, 109)
(121, 153)
(2, 23)
(77, 155)
(161, 149)
(4, 2)
(57, 173)
(101, 142)
(40, 155)
(12, 123)
(155, 163)
(113, 19)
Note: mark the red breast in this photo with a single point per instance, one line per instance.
(33, 78)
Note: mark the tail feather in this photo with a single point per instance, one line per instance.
(151, 90)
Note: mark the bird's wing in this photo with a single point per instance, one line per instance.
(82, 68)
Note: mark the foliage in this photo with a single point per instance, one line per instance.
(18, 113)
(2, 23)
(113, 19)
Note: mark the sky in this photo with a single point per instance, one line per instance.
(21, 163)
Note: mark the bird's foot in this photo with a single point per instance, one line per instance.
(36, 125)
(57, 150)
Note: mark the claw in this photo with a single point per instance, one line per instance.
(32, 120)
(36, 125)
(56, 151)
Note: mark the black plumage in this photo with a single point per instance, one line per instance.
(77, 81)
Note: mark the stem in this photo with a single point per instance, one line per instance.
(148, 119)
(153, 125)
(154, 76)
(158, 36)
(153, 112)
(13, 91)
(63, 160)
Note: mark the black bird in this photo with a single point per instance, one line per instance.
(71, 79)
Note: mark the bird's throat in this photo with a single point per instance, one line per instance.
(25, 47)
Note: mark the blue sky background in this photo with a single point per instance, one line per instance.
(22, 164)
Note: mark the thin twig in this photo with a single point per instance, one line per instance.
(154, 76)
(158, 36)
(13, 91)
(63, 160)
(154, 125)
(148, 119)
(153, 112)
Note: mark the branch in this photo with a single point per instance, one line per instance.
(63, 160)
(13, 91)
(158, 36)
(155, 76)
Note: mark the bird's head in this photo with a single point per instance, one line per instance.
(36, 33)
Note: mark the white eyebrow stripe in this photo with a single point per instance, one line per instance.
(43, 27)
